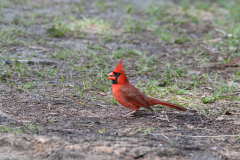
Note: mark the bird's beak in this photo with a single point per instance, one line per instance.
(111, 76)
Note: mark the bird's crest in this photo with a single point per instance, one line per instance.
(118, 68)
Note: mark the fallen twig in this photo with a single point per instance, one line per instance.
(180, 135)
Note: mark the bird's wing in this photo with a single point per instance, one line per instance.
(134, 96)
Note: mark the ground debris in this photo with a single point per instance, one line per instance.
(56, 101)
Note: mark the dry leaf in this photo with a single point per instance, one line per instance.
(220, 118)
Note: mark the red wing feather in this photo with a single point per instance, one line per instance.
(134, 96)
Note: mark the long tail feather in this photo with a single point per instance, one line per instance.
(153, 101)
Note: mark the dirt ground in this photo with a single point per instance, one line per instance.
(56, 101)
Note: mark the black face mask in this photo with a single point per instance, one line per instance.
(116, 75)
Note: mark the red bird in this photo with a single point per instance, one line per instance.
(129, 96)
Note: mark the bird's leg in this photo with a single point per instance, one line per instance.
(130, 113)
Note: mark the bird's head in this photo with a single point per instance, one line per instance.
(117, 75)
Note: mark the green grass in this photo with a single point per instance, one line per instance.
(5, 129)
(9, 37)
(173, 68)
(31, 128)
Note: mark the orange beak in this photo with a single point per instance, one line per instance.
(111, 76)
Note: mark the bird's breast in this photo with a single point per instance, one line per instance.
(115, 90)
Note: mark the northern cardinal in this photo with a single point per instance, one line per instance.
(129, 96)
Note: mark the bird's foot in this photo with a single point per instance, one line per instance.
(130, 114)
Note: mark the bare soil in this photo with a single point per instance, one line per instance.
(51, 120)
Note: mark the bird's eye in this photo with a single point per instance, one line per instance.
(118, 74)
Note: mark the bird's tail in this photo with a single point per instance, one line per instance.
(153, 101)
